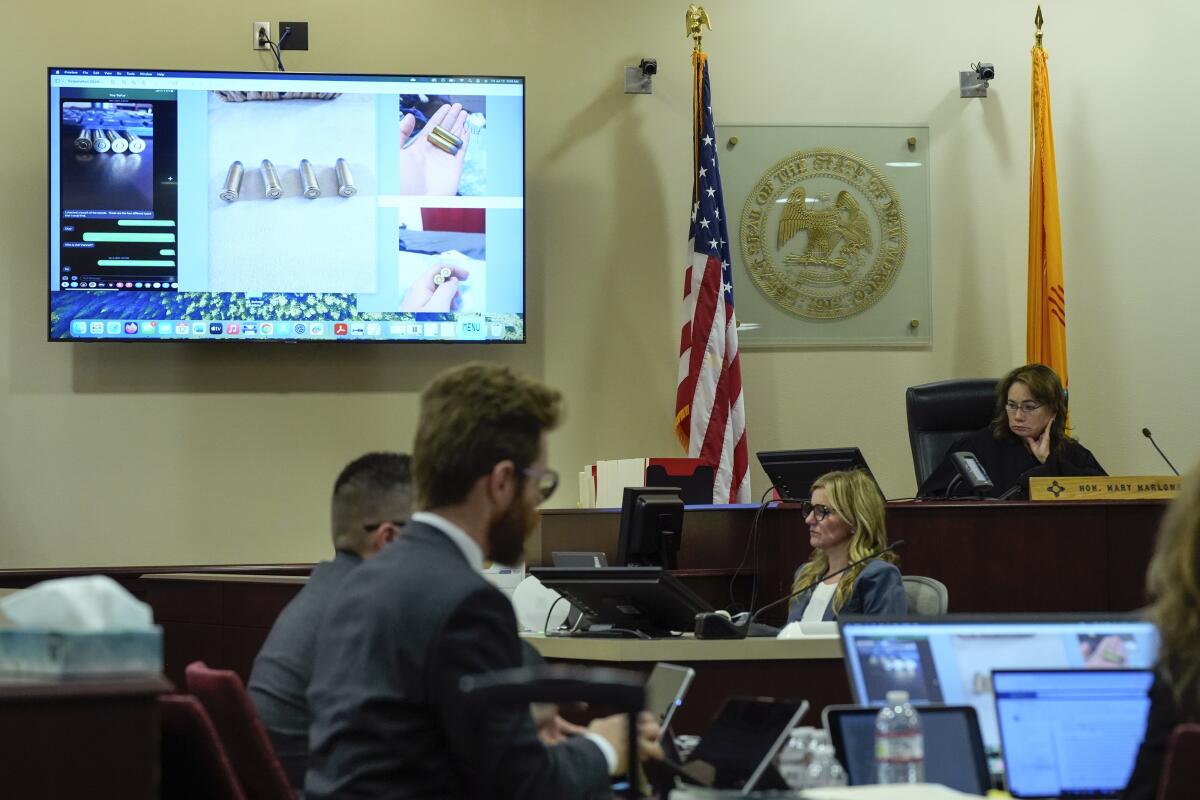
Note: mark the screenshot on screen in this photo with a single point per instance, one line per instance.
(224, 206)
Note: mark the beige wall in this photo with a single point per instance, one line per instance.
(175, 453)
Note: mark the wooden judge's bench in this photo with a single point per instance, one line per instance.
(993, 557)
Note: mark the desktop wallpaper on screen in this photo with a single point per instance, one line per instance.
(285, 206)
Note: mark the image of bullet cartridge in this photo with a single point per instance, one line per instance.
(99, 141)
(273, 188)
(83, 142)
(346, 187)
(443, 139)
(442, 275)
(117, 142)
(136, 143)
(309, 178)
(233, 182)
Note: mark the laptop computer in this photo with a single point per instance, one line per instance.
(665, 689)
(954, 754)
(949, 660)
(1073, 732)
(737, 751)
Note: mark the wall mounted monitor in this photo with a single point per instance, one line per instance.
(950, 660)
(239, 206)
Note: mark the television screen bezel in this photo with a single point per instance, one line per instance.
(291, 340)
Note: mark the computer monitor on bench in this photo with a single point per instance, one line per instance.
(793, 471)
(643, 602)
(651, 527)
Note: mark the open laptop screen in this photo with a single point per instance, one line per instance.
(953, 750)
(1071, 733)
(950, 659)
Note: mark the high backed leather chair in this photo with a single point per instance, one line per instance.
(241, 732)
(940, 412)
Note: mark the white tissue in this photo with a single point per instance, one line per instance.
(90, 603)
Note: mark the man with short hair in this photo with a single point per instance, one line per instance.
(389, 720)
(372, 501)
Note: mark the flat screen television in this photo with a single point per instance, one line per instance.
(282, 206)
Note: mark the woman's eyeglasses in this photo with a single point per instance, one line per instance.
(1028, 407)
(818, 511)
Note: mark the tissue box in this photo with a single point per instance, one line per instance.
(54, 654)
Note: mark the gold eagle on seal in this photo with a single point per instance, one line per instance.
(844, 226)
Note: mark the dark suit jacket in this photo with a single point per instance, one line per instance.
(279, 680)
(1008, 463)
(877, 590)
(388, 719)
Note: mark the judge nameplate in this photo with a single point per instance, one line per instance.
(1120, 487)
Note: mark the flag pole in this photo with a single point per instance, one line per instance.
(1037, 24)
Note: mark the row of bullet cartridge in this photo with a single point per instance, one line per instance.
(104, 140)
(273, 189)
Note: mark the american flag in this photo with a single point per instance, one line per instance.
(710, 415)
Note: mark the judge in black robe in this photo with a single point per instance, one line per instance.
(1026, 438)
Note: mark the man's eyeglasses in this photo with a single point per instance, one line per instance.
(818, 511)
(371, 527)
(547, 480)
(1028, 407)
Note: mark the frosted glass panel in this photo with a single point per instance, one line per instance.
(830, 229)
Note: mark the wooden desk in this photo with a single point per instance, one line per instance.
(80, 738)
(811, 669)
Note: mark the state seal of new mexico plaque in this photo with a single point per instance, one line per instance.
(823, 234)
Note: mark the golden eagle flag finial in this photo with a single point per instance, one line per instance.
(696, 18)
(1037, 23)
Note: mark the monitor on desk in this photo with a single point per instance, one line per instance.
(950, 659)
(793, 471)
(646, 602)
(651, 527)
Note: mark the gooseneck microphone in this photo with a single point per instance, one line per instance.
(716, 625)
(1146, 433)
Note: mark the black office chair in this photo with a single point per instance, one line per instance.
(943, 411)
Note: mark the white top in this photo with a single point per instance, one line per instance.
(821, 596)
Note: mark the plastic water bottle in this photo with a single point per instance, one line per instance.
(825, 770)
(899, 744)
(795, 757)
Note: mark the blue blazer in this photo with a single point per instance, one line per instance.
(877, 590)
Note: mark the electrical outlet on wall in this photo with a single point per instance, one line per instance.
(262, 34)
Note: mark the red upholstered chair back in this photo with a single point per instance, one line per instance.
(241, 731)
(1181, 767)
(194, 764)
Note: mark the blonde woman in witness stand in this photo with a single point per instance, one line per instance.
(845, 523)
(1173, 582)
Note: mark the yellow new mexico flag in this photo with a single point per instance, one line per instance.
(1046, 337)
